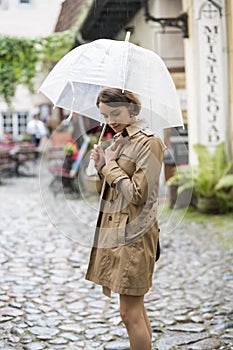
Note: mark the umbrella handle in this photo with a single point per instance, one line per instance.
(91, 170)
(102, 133)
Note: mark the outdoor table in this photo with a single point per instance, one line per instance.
(25, 155)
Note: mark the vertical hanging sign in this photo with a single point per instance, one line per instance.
(212, 89)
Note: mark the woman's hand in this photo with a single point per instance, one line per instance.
(97, 154)
(111, 153)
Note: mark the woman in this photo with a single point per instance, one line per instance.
(126, 239)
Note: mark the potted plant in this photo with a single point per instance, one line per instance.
(212, 180)
(71, 153)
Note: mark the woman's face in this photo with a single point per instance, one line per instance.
(116, 117)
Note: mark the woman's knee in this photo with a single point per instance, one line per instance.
(129, 316)
(131, 310)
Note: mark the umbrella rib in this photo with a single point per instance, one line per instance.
(72, 103)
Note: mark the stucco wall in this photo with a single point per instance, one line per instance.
(169, 43)
(38, 18)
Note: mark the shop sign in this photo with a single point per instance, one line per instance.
(211, 72)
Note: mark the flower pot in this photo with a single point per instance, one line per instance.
(179, 200)
(172, 195)
(208, 205)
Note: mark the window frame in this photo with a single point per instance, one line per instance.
(21, 3)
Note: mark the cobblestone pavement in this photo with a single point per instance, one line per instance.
(45, 302)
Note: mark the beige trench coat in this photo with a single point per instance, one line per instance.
(126, 237)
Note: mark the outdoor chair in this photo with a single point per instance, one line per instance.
(7, 163)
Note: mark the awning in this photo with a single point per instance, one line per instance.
(107, 17)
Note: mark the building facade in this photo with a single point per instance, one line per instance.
(29, 19)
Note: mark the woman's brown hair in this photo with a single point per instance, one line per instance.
(114, 97)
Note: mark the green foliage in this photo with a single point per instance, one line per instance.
(211, 169)
(211, 174)
(225, 182)
(182, 175)
(211, 179)
(181, 180)
(204, 173)
(21, 59)
(70, 148)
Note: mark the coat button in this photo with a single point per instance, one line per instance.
(110, 218)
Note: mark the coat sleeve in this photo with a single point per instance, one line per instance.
(148, 165)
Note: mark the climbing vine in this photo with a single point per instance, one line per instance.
(21, 59)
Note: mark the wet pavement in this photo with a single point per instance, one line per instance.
(45, 302)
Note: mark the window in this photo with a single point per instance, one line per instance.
(22, 119)
(14, 123)
(7, 122)
(25, 4)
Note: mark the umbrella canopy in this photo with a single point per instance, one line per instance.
(76, 80)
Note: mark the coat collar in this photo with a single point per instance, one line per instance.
(134, 128)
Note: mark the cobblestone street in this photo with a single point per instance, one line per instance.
(45, 302)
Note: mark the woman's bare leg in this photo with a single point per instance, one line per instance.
(147, 322)
(133, 315)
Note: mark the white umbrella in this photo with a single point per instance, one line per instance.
(76, 80)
